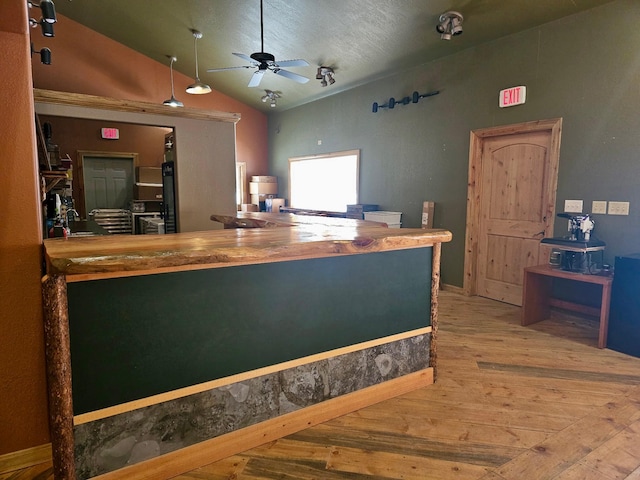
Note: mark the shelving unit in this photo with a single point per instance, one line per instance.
(52, 179)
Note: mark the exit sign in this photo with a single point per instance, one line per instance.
(513, 96)
(110, 133)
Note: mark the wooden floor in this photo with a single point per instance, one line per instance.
(509, 403)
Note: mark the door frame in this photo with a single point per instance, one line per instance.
(81, 154)
(474, 189)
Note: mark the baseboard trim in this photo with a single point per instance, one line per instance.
(452, 288)
(209, 451)
(10, 462)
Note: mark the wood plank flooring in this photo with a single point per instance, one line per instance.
(509, 403)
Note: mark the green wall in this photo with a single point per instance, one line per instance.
(584, 68)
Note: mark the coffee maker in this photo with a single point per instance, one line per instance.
(579, 251)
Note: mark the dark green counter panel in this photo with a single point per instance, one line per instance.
(133, 337)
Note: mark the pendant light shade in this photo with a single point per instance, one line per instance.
(197, 88)
(172, 102)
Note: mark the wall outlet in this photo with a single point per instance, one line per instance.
(573, 206)
(599, 206)
(618, 208)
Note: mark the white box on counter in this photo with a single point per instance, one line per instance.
(392, 219)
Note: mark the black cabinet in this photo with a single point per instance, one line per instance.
(169, 197)
(624, 315)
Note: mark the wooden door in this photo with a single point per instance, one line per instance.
(511, 206)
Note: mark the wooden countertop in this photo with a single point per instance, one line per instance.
(280, 237)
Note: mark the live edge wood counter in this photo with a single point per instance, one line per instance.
(167, 352)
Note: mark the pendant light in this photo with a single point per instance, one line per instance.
(172, 102)
(197, 88)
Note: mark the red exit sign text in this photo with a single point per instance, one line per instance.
(110, 133)
(513, 96)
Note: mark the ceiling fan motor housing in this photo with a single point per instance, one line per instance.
(263, 57)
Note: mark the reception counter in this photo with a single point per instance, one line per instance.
(168, 352)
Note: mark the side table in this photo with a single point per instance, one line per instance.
(537, 296)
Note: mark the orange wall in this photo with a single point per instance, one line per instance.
(84, 61)
(23, 398)
(76, 67)
(79, 134)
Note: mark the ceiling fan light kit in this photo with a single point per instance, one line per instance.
(414, 98)
(197, 88)
(172, 102)
(450, 25)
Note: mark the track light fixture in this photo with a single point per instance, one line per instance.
(270, 96)
(45, 54)
(48, 10)
(450, 25)
(414, 98)
(326, 76)
(46, 24)
(172, 102)
(197, 88)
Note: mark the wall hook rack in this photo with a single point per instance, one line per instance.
(414, 98)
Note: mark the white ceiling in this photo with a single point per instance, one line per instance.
(363, 40)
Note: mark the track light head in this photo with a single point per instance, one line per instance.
(45, 54)
(47, 28)
(48, 11)
(456, 26)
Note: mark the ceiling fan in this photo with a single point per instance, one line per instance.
(266, 61)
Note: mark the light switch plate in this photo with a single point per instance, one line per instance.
(618, 208)
(599, 206)
(573, 206)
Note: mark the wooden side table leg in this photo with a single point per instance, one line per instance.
(604, 315)
(535, 298)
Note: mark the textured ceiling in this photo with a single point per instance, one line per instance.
(363, 40)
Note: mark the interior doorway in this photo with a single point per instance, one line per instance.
(513, 174)
(105, 180)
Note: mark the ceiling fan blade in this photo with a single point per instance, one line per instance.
(229, 68)
(247, 58)
(256, 78)
(290, 75)
(293, 63)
